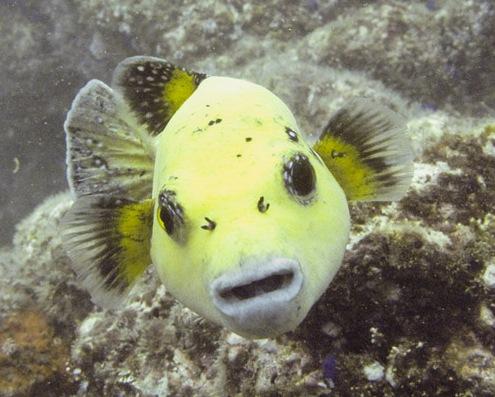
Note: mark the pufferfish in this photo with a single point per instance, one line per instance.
(211, 180)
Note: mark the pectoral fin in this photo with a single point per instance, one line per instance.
(366, 148)
(108, 241)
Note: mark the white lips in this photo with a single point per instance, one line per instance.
(265, 310)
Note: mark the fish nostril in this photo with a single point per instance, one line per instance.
(258, 287)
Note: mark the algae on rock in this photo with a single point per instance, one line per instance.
(412, 310)
(411, 299)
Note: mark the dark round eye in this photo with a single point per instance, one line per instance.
(170, 213)
(300, 178)
(167, 219)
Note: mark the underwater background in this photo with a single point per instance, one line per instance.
(412, 310)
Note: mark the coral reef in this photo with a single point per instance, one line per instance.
(412, 310)
(410, 313)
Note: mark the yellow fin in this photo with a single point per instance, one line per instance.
(366, 148)
(154, 89)
(108, 241)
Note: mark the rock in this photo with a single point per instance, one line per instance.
(374, 371)
(394, 320)
(489, 275)
(32, 358)
(411, 310)
(428, 54)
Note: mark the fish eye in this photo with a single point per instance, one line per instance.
(170, 213)
(300, 178)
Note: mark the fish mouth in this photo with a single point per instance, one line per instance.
(249, 290)
(260, 299)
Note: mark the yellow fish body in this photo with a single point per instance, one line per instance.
(210, 179)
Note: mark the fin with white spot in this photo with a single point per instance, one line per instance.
(154, 89)
(108, 241)
(366, 147)
(107, 151)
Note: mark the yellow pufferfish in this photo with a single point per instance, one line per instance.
(211, 180)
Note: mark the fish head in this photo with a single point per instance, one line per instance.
(252, 247)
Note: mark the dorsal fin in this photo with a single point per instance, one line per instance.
(108, 240)
(154, 89)
(366, 148)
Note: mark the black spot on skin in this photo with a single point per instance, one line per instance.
(207, 106)
(292, 134)
(212, 122)
(239, 155)
(211, 225)
(249, 139)
(262, 206)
